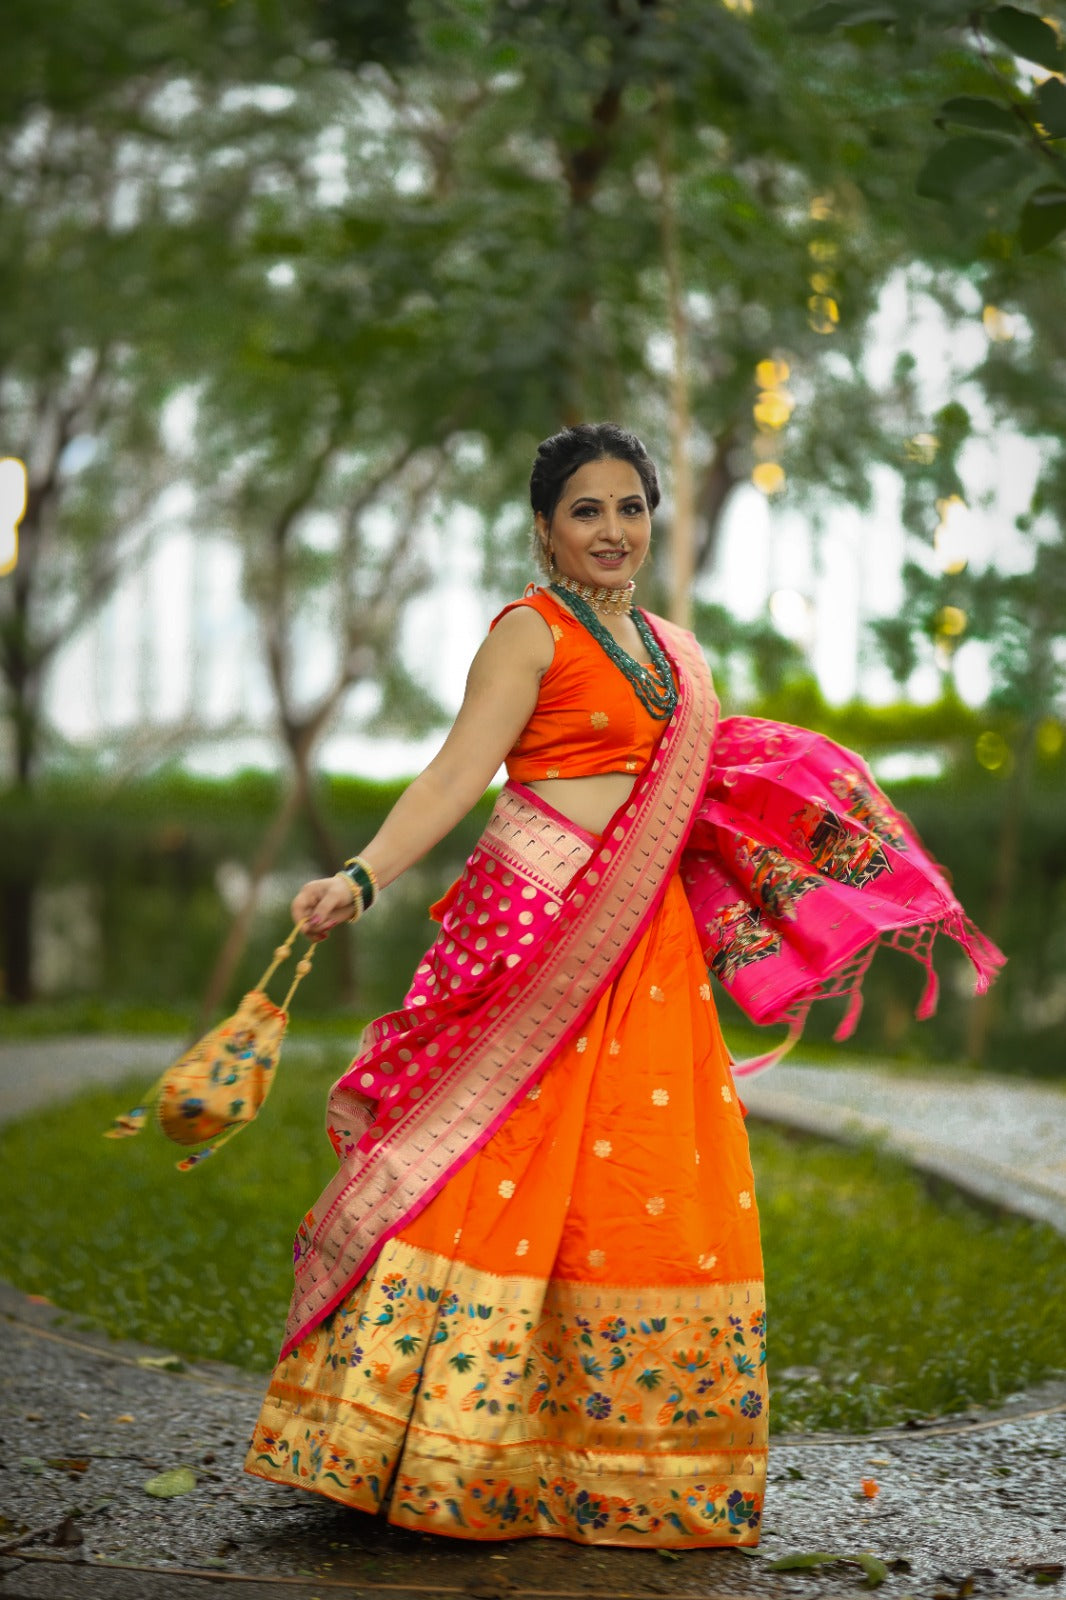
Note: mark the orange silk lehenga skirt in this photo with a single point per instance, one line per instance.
(568, 1340)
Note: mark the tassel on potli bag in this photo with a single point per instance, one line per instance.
(218, 1086)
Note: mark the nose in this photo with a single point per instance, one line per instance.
(613, 530)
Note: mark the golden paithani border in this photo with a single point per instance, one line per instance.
(528, 1016)
(490, 1407)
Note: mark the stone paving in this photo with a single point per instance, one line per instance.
(975, 1506)
(1001, 1139)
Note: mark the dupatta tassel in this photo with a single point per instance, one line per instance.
(798, 867)
(770, 1058)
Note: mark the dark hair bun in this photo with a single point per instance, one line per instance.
(559, 457)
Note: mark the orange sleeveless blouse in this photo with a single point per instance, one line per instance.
(588, 720)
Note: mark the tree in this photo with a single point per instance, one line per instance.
(1004, 178)
(1018, 610)
(93, 263)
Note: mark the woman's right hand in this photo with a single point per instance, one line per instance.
(322, 904)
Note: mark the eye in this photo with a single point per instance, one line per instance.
(634, 508)
(585, 511)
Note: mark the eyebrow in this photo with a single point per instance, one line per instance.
(594, 500)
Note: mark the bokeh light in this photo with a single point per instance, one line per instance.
(12, 510)
(769, 477)
(1050, 737)
(951, 540)
(992, 750)
(772, 373)
(823, 313)
(950, 622)
(773, 408)
(998, 325)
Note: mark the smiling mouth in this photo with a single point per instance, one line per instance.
(609, 555)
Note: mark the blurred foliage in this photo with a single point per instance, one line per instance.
(134, 875)
(1007, 171)
(158, 864)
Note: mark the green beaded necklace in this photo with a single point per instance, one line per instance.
(658, 695)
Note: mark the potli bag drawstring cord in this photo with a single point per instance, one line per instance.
(282, 953)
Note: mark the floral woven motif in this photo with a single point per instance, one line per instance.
(604, 1415)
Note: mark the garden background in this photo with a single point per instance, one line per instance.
(304, 285)
(368, 255)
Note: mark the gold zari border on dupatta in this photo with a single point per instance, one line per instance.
(599, 1414)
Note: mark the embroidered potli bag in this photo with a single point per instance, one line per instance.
(218, 1086)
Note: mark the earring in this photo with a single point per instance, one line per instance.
(552, 568)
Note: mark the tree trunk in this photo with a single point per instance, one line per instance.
(683, 525)
(719, 481)
(17, 898)
(236, 941)
(330, 856)
(983, 1008)
(23, 681)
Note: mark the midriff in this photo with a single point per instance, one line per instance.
(591, 802)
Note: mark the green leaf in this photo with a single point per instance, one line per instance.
(957, 167)
(168, 1485)
(844, 14)
(1027, 35)
(803, 1561)
(1050, 101)
(1043, 218)
(874, 1568)
(975, 111)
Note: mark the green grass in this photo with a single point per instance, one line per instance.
(907, 1305)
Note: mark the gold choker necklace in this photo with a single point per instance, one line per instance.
(608, 601)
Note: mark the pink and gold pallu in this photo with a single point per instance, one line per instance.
(530, 1302)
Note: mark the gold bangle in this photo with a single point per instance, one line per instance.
(356, 893)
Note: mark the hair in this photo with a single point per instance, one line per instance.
(559, 457)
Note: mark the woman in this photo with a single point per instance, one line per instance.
(531, 1300)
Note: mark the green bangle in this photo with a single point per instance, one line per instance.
(361, 876)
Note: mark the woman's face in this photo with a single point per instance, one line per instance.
(601, 529)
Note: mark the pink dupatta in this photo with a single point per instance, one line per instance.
(798, 867)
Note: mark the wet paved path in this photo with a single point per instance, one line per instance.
(87, 1426)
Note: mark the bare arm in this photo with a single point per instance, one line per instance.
(501, 693)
